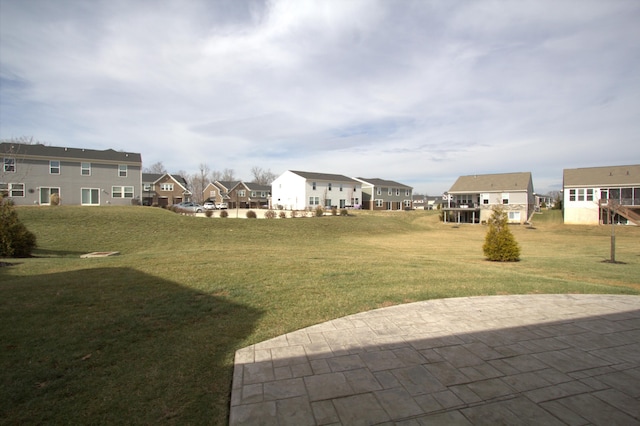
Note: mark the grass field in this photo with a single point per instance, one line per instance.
(149, 336)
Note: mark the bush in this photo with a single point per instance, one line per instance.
(500, 244)
(283, 215)
(344, 212)
(251, 214)
(208, 213)
(223, 213)
(54, 199)
(319, 211)
(294, 213)
(270, 214)
(15, 239)
(334, 211)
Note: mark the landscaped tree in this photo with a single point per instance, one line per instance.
(500, 244)
(15, 239)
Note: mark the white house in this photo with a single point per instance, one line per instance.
(471, 198)
(590, 192)
(296, 190)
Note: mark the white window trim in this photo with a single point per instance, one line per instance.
(83, 168)
(51, 167)
(9, 163)
(90, 189)
(13, 189)
(123, 168)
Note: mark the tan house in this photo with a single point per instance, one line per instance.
(163, 190)
(471, 199)
(596, 195)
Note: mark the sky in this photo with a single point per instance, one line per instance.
(419, 92)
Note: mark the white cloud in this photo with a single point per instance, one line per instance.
(416, 91)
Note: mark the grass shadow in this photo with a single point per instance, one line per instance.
(55, 253)
(104, 345)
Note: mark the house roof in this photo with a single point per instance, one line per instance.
(226, 185)
(502, 182)
(602, 176)
(155, 177)
(382, 182)
(40, 150)
(252, 186)
(323, 176)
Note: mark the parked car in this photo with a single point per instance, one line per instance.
(221, 205)
(190, 206)
(209, 205)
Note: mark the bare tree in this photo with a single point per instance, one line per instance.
(155, 168)
(228, 175)
(199, 182)
(262, 177)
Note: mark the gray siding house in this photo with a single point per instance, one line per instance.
(380, 194)
(32, 174)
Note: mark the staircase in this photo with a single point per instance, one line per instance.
(628, 213)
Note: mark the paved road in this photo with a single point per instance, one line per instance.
(532, 359)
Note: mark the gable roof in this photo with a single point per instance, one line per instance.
(252, 186)
(226, 185)
(323, 176)
(382, 182)
(502, 182)
(155, 177)
(40, 150)
(602, 176)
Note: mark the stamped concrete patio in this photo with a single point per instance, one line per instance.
(531, 359)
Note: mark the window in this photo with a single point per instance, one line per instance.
(340, 187)
(314, 201)
(604, 194)
(166, 187)
(379, 203)
(355, 201)
(122, 170)
(241, 193)
(313, 185)
(329, 186)
(389, 191)
(343, 203)
(407, 204)
(263, 194)
(212, 193)
(46, 193)
(85, 169)
(581, 194)
(90, 196)
(327, 203)
(12, 189)
(9, 164)
(54, 167)
(253, 193)
(397, 191)
(122, 191)
(379, 191)
(146, 187)
(514, 216)
(572, 195)
(505, 198)
(589, 194)
(407, 193)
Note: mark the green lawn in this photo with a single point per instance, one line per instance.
(149, 336)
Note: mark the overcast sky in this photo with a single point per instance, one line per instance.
(418, 92)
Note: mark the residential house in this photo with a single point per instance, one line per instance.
(471, 199)
(380, 194)
(37, 174)
(600, 194)
(258, 196)
(164, 189)
(296, 190)
(220, 192)
(426, 202)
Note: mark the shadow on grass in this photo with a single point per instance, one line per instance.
(56, 253)
(113, 345)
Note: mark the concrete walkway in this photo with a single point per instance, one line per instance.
(532, 359)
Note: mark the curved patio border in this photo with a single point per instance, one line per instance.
(521, 359)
